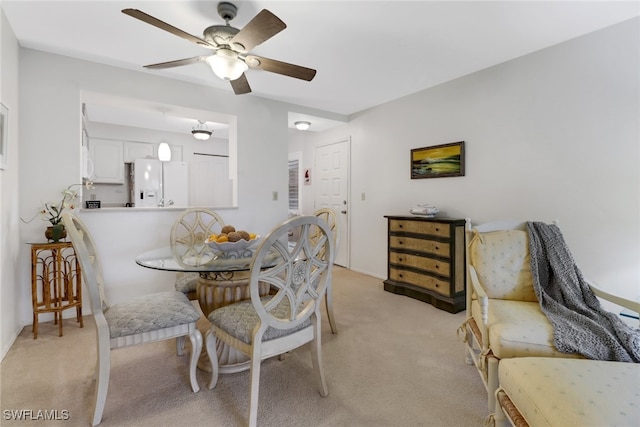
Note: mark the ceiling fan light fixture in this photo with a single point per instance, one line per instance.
(302, 125)
(226, 64)
(200, 132)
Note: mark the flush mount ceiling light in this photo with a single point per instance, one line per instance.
(302, 125)
(200, 132)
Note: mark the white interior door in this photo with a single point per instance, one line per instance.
(332, 163)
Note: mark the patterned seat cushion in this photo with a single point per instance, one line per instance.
(187, 282)
(240, 319)
(571, 392)
(518, 329)
(149, 313)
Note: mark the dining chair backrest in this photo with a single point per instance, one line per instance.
(329, 216)
(190, 231)
(300, 277)
(87, 255)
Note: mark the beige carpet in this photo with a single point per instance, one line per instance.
(395, 362)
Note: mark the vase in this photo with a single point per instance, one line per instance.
(55, 233)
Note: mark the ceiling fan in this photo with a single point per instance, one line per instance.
(231, 58)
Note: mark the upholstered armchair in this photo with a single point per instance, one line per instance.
(504, 315)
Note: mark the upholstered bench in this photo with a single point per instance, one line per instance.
(559, 392)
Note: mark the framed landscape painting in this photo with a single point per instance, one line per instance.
(438, 161)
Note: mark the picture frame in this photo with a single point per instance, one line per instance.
(4, 135)
(438, 161)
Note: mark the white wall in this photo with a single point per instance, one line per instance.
(50, 161)
(551, 135)
(10, 246)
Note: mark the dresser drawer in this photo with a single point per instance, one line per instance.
(420, 227)
(411, 243)
(427, 282)
(427, 264)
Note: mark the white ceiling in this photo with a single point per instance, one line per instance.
(365, 52)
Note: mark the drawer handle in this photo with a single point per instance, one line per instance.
(437, 229)
(399, 258)
(400, 242)
(437, 285)
(400, 275)
(437, 248)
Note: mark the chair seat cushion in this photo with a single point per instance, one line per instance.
(149, 313)
(518, 329)
(571, 392)
(187, 282)
(239, 320)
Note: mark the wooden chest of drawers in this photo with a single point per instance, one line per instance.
(427, 260)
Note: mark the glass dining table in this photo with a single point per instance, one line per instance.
(223, 280)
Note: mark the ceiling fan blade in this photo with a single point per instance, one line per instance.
(138, 14)
(177, 63)
(280, 67)
(262, 27)
(241, 85)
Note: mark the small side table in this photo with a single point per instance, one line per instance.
(56, 283)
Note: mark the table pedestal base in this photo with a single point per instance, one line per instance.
(216, 290)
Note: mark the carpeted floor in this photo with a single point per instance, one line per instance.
(395, 362)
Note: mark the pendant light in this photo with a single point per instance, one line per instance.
(164, 152)
(201, 132)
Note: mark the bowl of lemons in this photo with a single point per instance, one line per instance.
(230, 240)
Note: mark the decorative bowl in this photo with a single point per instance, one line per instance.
(233, 247)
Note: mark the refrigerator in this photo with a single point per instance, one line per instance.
(157, 183)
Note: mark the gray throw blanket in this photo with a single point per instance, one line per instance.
(580, 324)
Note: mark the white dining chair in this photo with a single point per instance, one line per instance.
(329, 216)
(290, 316)
(144, 319)
(187, 238)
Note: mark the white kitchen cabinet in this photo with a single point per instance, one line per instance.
(138, 150)
(176, 153)
(108, 161)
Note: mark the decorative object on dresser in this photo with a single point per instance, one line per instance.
(56, 283)
(426, 260)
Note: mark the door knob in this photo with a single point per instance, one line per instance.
(344, 211)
